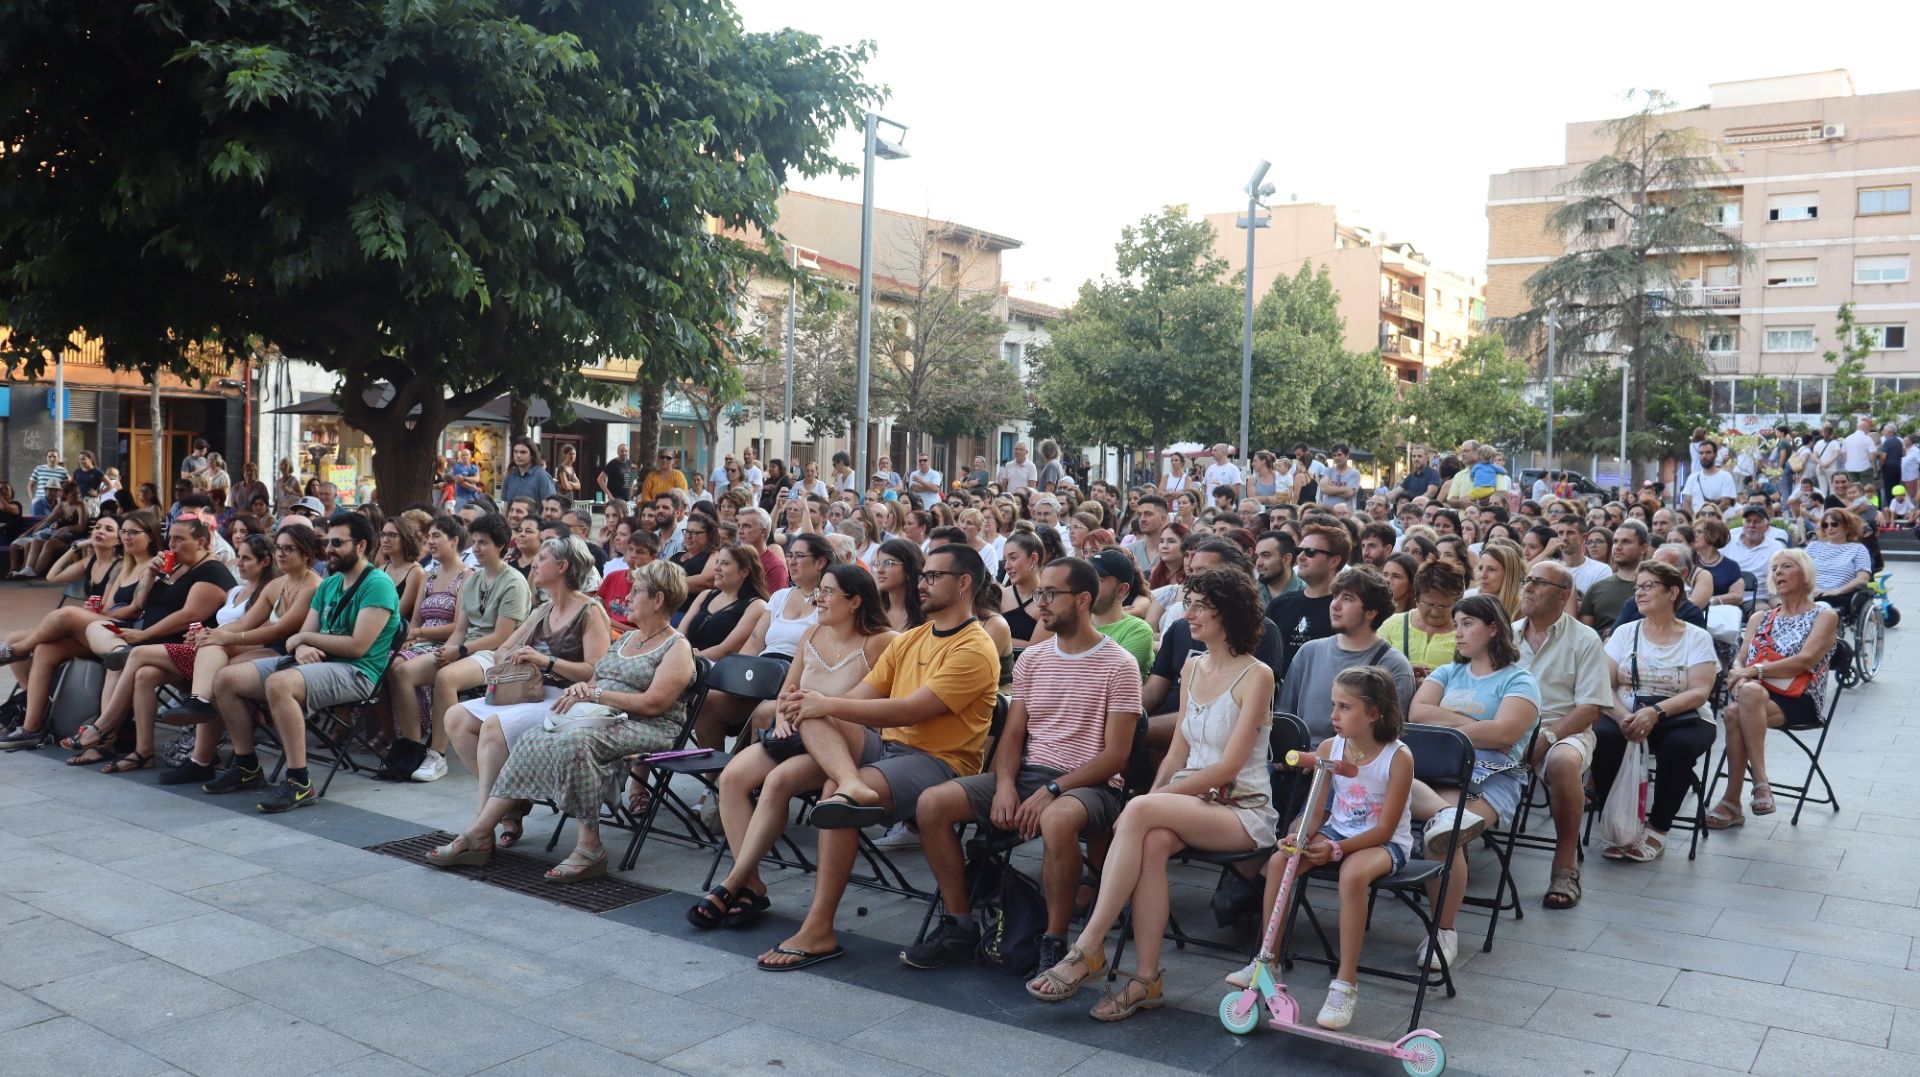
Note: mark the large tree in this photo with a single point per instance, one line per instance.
(454, 199)
(1306, 385)
(1479, 394)
(1642, 220)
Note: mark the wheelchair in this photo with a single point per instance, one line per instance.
(1863, 628)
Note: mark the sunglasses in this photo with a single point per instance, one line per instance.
(337, 543)
(1306, 552)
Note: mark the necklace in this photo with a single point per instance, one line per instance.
(1359, 756)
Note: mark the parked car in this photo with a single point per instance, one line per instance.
(1582, 486)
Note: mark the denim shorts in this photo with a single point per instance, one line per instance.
(1398, 854)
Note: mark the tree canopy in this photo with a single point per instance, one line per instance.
(457, 199)
(1480, 394)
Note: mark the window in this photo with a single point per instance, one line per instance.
(1721, 393)
(1887, 337)
(949, 270)
(1880, 269)
(1011, 352)
(1790, 338)
(1729, 213)
(1885, 200)
(1721, 341)
(1597, 224)
(1792, 273)
(1793, 207)
(1812, 397)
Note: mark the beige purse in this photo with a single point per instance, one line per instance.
(518, 682)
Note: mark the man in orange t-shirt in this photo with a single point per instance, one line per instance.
(918, 720)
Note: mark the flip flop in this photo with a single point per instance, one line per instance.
(807, 958)
(840, 812)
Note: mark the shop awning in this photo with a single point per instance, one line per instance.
(495, 411)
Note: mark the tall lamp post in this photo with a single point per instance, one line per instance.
(885, 150)
(1255, 192)
(796, 257)
(1552, 334)
(1626, 379)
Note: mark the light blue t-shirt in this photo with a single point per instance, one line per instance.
(1479, 697)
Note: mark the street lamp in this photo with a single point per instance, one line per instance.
(796, 257)
(1552, 333)
(1626, 378)
(887, 151)
(1255, 192)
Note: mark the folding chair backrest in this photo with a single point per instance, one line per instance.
(1441, 756)
(1751, 596)
(747, 676)
(1840, 659)
(75, 591)
(1289, 734)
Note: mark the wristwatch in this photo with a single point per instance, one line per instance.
(1054, 788)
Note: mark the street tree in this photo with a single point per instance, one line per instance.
(826, 344)
(1306, 385)
(1640, 221)
(1479, 394)
(454, 200)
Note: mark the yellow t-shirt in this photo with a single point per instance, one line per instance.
(659, 482)
(964, 671)
(1404, 634)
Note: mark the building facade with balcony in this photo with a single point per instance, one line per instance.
(1391, 298)
(1818, 185)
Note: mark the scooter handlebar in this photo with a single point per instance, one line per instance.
(1312, 761)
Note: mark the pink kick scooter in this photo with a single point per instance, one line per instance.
(1418, 1051)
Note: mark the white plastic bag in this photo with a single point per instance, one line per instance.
(1623, 819)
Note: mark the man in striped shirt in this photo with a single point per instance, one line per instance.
(45, 483)
(1056, 768)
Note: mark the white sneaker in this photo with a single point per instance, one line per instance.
(432, 768)
(1243, 978)
(1449, 946)
(900, 836)
(1438, 834)
(1338, 1009)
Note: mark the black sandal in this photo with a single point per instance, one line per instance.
(746, 908)
(89, 756)
(129, 762)
(706, 915)
(73, 743)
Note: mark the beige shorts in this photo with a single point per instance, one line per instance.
(1580, 743)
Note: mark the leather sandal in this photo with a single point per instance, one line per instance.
(1762, 803)
(1725, 816)
(574, 870)
(1052, 985)
(1563, 891)
(472, 856)
(1120, 1005)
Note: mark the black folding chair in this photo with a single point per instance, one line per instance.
(74, 593)
(1802, 793)
(1502, 840)
(1750, 598)
(333, 733)
(757, 679)
(1442, 757)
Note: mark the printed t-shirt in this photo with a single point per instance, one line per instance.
(963, 669)
(375, 590)
(1662, 667)
(1068, 698)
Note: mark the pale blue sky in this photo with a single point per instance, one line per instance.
(1057, 123)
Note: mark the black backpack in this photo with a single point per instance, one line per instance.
(1012, 919)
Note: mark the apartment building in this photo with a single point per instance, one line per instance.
(1391, 298)
(1819, 186)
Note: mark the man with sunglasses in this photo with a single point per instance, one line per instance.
(1056, 770)
(336, 658)
(1569, 663)
(1304, 615)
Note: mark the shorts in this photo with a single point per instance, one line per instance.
(1580, 743)
(329, 684)
(1501, 792)
(181, 655)
(909, 772)
(514, 718)
(1799, 711)
(1103, 803)
(1393, 849)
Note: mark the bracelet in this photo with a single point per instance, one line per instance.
(596, 693)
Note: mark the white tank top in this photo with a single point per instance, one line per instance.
(783, 635)
(1359, 800)
(235, 607)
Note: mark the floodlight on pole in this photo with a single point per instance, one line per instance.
(1256, 190)
(1626, 379)
(890, 150)
(796, 258)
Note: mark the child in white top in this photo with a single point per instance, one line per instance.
(1365, 825)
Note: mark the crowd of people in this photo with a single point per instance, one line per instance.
(1138, 640)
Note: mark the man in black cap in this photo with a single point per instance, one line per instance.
(1119, 585)
(1754, 545)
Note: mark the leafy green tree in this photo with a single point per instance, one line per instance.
(1480, 394)
(1307, 386)
(457, 200)
(826, 344)
(1641, 219)
(1850, 390)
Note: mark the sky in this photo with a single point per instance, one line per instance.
(1058, 123)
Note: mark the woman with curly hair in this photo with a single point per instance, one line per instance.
(1211, 793)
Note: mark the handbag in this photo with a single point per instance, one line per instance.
(581, 716)
(514, 683)
(781, 748)
(1765, 650)
(1633, 674)
(1623, 818)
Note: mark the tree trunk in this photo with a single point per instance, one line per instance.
(517, 416)
(652, 397)
(403, 463)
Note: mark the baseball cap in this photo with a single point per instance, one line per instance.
(1756, 510)
(310, 504)
(1113, 562)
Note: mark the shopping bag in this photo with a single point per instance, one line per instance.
(1624, 817)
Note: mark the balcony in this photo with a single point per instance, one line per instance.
(1405, 304)
(1395, 346)
(1692, 296)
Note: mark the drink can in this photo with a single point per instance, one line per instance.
(94, 603)
(195, 627)
(167, 562)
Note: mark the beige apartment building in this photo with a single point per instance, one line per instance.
(1391, 298)
(1819, 186)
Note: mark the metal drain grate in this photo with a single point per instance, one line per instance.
(525, 873)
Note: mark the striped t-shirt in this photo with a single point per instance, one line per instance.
(1835, 564)
(1068, 698)
(46, 480)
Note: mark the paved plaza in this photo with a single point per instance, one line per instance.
(154, 932)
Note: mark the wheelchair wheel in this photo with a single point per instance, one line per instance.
(1872, 642)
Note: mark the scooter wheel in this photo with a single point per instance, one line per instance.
(1240, 1011)
(1430, 1059)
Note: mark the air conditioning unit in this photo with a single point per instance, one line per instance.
(1831, 131)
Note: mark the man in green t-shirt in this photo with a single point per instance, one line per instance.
(1119, 582)
(1601, 603)
(336, 658)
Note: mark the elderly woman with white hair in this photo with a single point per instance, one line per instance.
(1780, 683)
(562, 640)
(634, 702)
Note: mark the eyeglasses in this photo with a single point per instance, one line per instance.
(1541, 581)
(1196, 604)
(1306, 552)
(887, 563)
(1046, 595)
(934, 575)
(283, 548)
(830, 592)
(696, 530)
(389, 534)
(336, 543)
(1646, 588)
